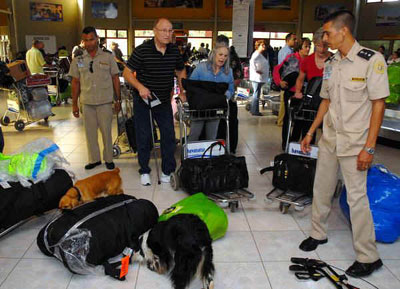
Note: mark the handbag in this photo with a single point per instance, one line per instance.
(292, 172)
(215, 174)
(203, 94)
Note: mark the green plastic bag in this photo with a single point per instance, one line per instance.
(212, 215)
(394, 83)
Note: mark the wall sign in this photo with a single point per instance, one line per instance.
(173, 4)
(107, 10)
(46, 12)
(276, 4)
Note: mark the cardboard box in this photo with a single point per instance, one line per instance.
(18, 69)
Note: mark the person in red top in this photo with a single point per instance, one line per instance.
(301, 52)
(312, 66)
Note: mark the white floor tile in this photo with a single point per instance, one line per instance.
(280, 246)
(268, 220)
(38, 274)
(15, 243)
(339, 246)
(236, 247)
(6, 266)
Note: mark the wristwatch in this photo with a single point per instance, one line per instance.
(370, 151)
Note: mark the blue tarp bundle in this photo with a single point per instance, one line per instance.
(383, 190)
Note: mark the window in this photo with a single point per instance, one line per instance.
(380, 1)
(117, 36)
(196, 37)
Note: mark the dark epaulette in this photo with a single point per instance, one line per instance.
(330, 58)
(366, 54)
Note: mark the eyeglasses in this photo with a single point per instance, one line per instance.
(165, 31)
(91, 66)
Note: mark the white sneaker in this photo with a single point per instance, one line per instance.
(165, 178)
(145, 179)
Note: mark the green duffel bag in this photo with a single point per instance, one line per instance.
(209, 212)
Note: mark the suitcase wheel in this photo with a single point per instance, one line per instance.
(284, 207)
(116, 151)
(175, 181)
(234, 206)
(19, 125)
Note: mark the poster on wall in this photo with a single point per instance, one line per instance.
(173, 3)
(228, 3)
(276, 4)
(49, 41)
(107, 10)
(322, 11)
(387, 16)
(46, 12)
(240, 26)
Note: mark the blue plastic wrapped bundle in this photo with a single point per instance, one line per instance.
(383, 190)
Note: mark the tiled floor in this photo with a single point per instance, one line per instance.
(255, 252)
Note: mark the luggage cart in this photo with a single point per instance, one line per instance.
(289, 198)
(244, 94)
(224, 199)
(22, 107)
(121, 144)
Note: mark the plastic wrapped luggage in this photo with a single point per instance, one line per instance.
(18, 203)
(89, 235)
(39, 109)
(39, 93)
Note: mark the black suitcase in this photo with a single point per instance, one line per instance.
(233, 127)
(19, 203)
(294, 173)
(91, 234)
(131, 133)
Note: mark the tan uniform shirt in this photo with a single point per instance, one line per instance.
(95, 76)
(350, 83)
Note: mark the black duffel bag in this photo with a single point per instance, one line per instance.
(18, 203)
(203, 94)
(217, 174)
(91, 234)
(292, 172)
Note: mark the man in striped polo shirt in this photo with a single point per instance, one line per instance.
(155, 63)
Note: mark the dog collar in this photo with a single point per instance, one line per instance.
(79, 193)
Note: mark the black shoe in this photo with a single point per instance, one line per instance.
(363, 269)
(310, 244)
(92, 165)
(257, 114)
(110, 166)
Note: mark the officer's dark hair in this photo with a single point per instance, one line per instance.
(288, 36)
(223, 39)
(341, 18)
(89, 29)
(383, 47)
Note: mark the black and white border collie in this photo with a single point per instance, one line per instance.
(180, 246)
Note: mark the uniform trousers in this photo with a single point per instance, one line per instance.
(98, 117)
(360, 213)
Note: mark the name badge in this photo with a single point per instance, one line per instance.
(359, 79)
(327, 72)
(80, 63)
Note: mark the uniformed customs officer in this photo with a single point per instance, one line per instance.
(94, 77)
(353, 93)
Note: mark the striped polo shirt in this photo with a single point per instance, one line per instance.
(155, 70)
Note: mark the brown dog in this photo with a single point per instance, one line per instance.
(92, 187)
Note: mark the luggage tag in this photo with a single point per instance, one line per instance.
(125, 262)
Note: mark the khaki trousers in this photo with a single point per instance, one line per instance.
(360, 214)
(98, 117)
(281, 113)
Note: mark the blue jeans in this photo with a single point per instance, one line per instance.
(162, 114)
(255, 103)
